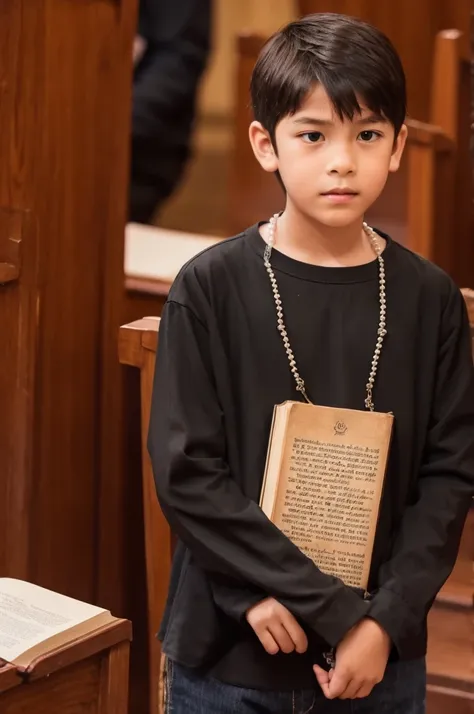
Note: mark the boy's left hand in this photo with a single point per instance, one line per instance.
(361, 659)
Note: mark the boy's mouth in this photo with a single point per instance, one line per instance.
(340, 195)
(340, 192)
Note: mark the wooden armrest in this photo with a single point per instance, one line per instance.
(8, 676)
(108, 636)
(425, 134)
(136, 336)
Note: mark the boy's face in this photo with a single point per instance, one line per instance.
(333, 170)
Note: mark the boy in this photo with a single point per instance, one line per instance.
(250, 619)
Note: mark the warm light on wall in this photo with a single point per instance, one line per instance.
(231, 17)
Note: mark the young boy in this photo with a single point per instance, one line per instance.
(250, 619)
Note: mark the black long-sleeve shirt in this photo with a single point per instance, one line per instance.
(221, 367)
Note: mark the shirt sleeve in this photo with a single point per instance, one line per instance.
(427, 543)
(243, 553)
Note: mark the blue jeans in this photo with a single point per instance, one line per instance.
(402, 691)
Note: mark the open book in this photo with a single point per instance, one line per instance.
(35, 622)
(323, 483)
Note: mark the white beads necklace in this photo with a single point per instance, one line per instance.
(381, 332)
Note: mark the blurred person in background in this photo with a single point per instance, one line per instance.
(170, 54)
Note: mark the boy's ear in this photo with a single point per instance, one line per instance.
(398, 148)
(262, 147)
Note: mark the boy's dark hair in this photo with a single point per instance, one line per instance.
(347, 56)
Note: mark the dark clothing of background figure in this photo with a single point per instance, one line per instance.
(176, 36)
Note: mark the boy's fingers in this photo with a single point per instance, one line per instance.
(351, 690)
(364, 691)
(296, 632)
(339, 683)
(281, 637)
(323, 679)
(268, 641)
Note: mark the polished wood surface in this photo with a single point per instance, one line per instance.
(62, 174)
(137, 348)
(68, 514)
(87, 677)
(19, 298)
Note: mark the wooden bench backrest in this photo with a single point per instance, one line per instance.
(137, 348)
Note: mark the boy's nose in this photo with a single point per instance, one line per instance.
(342, 164)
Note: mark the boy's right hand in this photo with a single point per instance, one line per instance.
(276, 628)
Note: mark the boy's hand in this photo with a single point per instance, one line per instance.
(276, 627)
(361, 658)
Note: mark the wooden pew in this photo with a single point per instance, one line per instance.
(410, 208)
(91, 675)
(137, 347)
(450, 674)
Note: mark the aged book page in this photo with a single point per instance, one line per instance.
(323, 483)
(34, 620)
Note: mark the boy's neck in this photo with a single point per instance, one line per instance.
(304, 239)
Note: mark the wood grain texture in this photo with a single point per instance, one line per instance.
(89, 677)
(65, 95)
(73, 690)
(60, 155)
(449, 660)
(441, 700)
(113, 693)
(19, 319)
(137, 347)
(8, 677)
(112, 635)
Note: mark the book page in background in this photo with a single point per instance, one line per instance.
(30, 615)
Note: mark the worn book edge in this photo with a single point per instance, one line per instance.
(66, 638)
(84, 621)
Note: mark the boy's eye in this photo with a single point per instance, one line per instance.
(369, 135)
(312, 137)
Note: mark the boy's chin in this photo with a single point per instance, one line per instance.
(338, 219)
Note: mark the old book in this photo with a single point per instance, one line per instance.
(35, 622)
(323, 483)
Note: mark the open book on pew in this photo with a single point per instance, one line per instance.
(35, 622)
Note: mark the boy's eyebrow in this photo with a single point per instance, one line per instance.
(314, 121)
